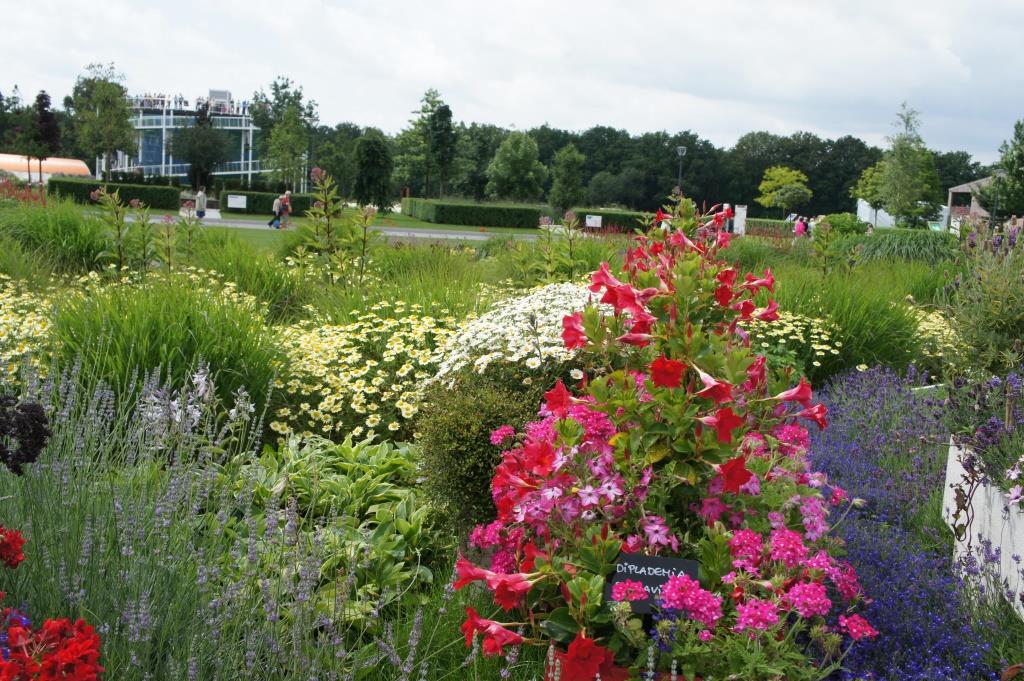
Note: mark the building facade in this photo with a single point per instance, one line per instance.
(157, 117)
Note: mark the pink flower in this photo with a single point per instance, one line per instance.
(819, 561)
(844, 576)
(839, 495)
(801, 393)
(757, 615)
(628, 590)
(808, 599)
(813, 511)
(857, 627)
(685, 594)
(499, 435)
(712, 508)
(705, 636)
(787, 546)
(656, 531)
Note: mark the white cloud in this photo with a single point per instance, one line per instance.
(718, 68)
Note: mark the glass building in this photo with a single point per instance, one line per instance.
(156, 117)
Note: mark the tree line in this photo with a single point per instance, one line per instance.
(436, 156)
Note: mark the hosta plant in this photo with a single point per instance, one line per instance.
(678, 442)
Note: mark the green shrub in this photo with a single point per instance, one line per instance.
(618, 220)
(59, 232)
(154, 196)
(168, 324)
(262, 203)
(899, 244)
(454, 428)
(472, 214)
(846, 223)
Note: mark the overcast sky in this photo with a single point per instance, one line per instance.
(718, 67)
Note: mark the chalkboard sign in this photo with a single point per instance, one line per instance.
(652, 572)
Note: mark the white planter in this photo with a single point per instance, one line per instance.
(993, 520)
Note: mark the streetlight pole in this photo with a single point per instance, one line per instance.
(681, 151)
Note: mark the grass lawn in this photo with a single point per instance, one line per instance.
(268, 240)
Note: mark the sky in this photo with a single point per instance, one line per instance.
(720, 68)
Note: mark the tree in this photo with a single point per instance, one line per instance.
(270, 110)
(414, 161)
(101, 114)
(286, 151)
(21, 136)
(783, 188)
(336, 154)
(475, 148)
(373, 171)
(843, 161)
(567, 179)
(441, 142)
(202, 146)
(869, 188)
(516, 173)
(955, 168)
(908, 182)
(1005, 195)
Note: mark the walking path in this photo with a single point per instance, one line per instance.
(213, 219)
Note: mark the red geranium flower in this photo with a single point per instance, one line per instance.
(667, 373)
(11, 543)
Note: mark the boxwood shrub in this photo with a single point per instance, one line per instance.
(154, 196)
(616, 220)
(262, 203)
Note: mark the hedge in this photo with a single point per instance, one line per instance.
(623, 220)
(263, 202)
(154, 196)
(472, 214)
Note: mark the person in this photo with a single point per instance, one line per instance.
(201, 202)
(286, 208)
(800, 227)
(275, 222)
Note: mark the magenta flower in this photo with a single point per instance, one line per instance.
(808, 599)
(629, 590)
(756, 615)
(787, 546)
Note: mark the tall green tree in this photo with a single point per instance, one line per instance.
(269, 109)
(955, 168)
(46, 130)
(374, 166)
(516, 173)
(441, 141)
(414, 163)
(869, 188)
(909, 184)
(101, 113)
(1005, 195)
(475, 148)
(567, 189)
(336, 154)
(783, 188)
(287, 148)
(202, 146)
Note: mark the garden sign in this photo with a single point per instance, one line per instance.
(652, 572)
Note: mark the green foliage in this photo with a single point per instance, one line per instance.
(846, 223)
(869, 188)
(263, 202)
(441, 141)
(1005, 196)
(616, 220)
(900, 245)
(454, 428)
(907, 182)
(269, 110)
(168, 324)
(202, 146)
(101, 115)
(373, 172)
(288, 146)
(516, 173)
(57, 233)
(472, 214)
(783, 188)
(567, 182)
(154, 196)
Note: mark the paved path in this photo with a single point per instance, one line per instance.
(214, 219)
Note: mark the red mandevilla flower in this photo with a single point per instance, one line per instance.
(667, 373)
(573, 334)
(496, 637)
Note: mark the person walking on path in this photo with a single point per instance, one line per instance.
(201, 202)
(286, 208)
(275, 221)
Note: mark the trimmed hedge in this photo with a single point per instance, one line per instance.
(472, 214)
(154, 196)
(263, 202)
(622, 220)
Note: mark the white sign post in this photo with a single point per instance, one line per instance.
(237, 201)
(594, 221)
(740, 220)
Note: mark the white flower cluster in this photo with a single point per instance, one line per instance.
(525, 330)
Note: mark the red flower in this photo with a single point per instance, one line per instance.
(755, 373)
(510, 589)
(557, 400)
(573, 334)
(801, 393)
(817, 413)
(603, 278)
(538, 456)
(735, 474)
(716, 390)
(496, 637)
(726, 276)
(724, 295)
(660, 217)
(770, 313)
(724, 422)
(745, 308)
(11, 542)
(58, 650)
(667, 373)
(584, 659)
(857, 627)
(755, 284)
(468, 573)
(640, 340)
